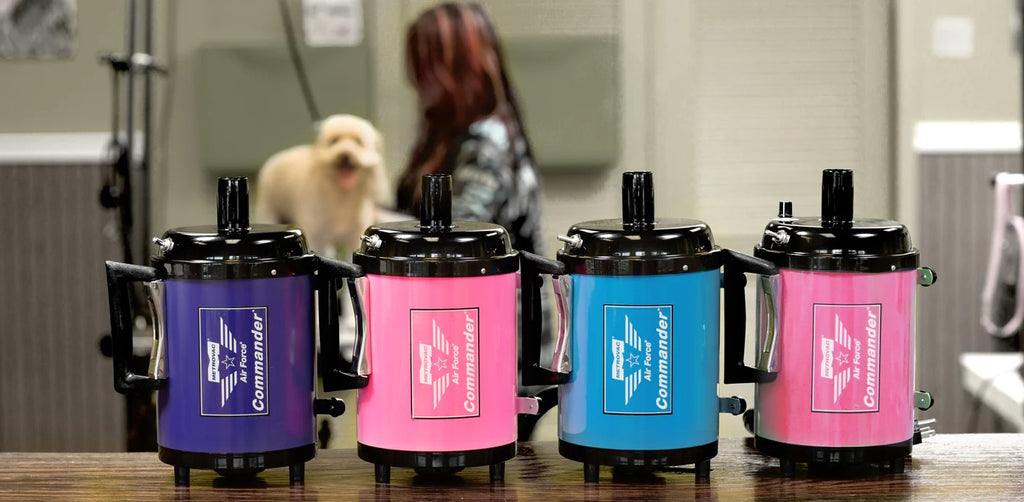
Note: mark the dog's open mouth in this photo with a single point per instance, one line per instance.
(346, 172)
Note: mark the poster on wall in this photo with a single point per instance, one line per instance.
(37, 29)
(337, 23)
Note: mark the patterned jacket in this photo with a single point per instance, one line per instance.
(487, 185)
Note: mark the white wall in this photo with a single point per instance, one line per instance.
(983, 87)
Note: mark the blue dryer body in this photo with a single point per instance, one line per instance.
(644, 354)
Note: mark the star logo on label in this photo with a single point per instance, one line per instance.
(441, 363)
(633, 360)
(228, 362)
(843, 359)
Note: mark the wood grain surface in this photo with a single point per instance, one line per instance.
(945, 467)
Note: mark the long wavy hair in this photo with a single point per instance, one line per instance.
(455, 62)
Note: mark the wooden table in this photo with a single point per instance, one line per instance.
(945, 467)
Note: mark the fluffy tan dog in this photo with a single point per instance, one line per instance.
(330, 189)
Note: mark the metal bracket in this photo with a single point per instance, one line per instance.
(926, 276)
(923, 400)
(732, 405)
(923, 429)
(780, 237)
(527, 405)
(572, 241)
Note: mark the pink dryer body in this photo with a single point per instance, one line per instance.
(845, 360)
(442, 360)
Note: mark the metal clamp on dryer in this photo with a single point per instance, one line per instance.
(732, 405)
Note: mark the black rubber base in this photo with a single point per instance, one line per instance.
(382, 473)
(702, 469)
(442, 462)
(637, 458)
(898, 465)
(497, 473)
(890, 455)
(297, 474)
(181, 476)
(238, 465)
(593, 458)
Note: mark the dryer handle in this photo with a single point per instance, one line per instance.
(337, 373)
(736, 265)
(119, 278)
(531, 267)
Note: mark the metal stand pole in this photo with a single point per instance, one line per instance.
(129, 140)
(147, 132)
(119, 193)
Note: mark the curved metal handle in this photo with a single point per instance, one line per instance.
(531, 267)
(736, 265)
(561, 362)
(157, 358)
(767, 321)
(339, 374)
(357, 290)
(119, 278)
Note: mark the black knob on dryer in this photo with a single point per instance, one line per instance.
(836, 198)
(785, 209)
(436, 206)
(637, 200)
(233, 206)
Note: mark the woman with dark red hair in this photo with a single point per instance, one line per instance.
(469, 124)
(470, 127)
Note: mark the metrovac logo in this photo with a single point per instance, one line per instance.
(444, 346)
(846, 353)
(638, 359)
(233, 351)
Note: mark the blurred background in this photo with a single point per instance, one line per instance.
(733, 104)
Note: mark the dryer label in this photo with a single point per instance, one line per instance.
(445, 365)
(638, 359)
(234, 367)
(845, 376)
